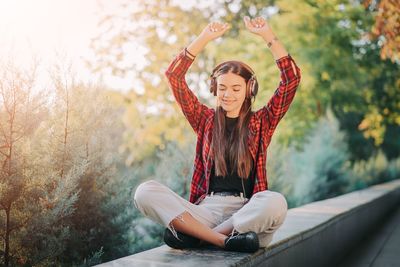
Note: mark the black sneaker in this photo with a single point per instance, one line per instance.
(245, 242)
(186, 241)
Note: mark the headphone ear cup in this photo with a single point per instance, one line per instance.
(254, 88)
(251, 85)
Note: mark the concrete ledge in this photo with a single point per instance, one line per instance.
(316, 234)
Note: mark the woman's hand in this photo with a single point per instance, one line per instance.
(214, 30)
(257, 26)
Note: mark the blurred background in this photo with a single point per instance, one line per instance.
(86, 114)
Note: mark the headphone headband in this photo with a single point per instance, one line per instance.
(233, 61)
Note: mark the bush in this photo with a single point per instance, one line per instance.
(316, 171)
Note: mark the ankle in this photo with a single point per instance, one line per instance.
(222, 242)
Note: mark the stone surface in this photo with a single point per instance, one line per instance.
(381, 247)
(166, 256)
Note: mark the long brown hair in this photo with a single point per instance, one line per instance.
(235, 147)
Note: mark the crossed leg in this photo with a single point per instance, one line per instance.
(161, 204)
(225, 228)
(187, 224)
(263, 214)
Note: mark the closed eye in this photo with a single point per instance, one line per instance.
(235, 90)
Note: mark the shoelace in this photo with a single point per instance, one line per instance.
(233, 233)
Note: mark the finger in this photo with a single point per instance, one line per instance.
(214, 27)
(220, 29)
(223, 27)
(258, 22)
(261, 21)
(253, 22)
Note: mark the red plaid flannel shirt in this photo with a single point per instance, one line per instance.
(201, 119)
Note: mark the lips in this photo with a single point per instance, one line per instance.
(227, 102)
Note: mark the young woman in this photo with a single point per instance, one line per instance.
(230, 205)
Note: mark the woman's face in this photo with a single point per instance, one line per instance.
(231, 93)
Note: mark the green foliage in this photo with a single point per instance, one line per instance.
(47, 233)
(93, 259)
(176, 167)
(64, 194)
(322, 169)
(146, 234)
(21, 111)
(349, 74)
(102, 216)
(317, 171)
(375, 170)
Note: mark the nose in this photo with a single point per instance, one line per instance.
(226, 93)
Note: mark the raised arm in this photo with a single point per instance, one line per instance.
(191, 107)
(290, 74)
(280, 101)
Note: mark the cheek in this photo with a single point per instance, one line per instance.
(242, 95)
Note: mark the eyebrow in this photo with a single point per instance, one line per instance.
(232, 85)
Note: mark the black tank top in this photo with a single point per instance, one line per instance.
(231, 183)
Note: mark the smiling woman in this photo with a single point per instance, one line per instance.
(230, 205)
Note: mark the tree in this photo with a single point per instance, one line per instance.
(85, 127)
(21, 111)
(348, 73)
(387, 27)
(64, 188)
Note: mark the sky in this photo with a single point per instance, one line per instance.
(60, 31)
(52, 30)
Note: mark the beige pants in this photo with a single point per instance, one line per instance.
(264, 213)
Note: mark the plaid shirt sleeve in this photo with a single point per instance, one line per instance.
(191, 107)
(283, 96)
